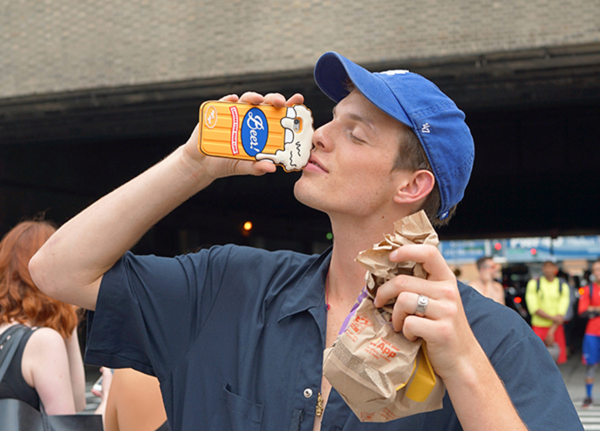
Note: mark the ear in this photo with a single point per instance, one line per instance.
(414, 187)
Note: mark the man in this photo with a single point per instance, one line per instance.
(589, 307)
(236, 335)
(547, 300)
(486, 284)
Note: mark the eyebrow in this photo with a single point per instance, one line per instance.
(358, 118)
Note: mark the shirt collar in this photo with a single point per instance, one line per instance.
(309, 291)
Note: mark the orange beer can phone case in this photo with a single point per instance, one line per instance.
(257, 132)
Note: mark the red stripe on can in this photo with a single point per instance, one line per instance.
(235, 121)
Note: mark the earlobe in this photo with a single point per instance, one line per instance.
(415, 188)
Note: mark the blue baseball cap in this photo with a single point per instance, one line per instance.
(417, 103)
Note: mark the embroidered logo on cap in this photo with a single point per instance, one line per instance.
(426, 128)
(394, 72)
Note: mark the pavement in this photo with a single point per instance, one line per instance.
(573, 373)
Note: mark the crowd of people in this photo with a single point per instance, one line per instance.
(553, 301)
(234, 335)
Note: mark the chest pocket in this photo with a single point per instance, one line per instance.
(236, 413)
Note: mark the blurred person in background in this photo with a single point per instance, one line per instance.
(589, 307)
(485, 283)
(131, 401)
(47, 365)
(548, 300)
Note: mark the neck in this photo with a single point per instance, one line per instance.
(351, 236)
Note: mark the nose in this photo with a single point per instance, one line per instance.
(321, 138)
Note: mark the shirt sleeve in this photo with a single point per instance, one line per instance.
(535, 386)
(523, 363)
(531, 297)
(151, 309)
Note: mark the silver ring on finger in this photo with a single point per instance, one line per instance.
(422, 302)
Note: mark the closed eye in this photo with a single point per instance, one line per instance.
(355, 139)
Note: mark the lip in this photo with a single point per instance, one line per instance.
(315, 165)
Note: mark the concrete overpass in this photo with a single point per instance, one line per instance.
(532, 103)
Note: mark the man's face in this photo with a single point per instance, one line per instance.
(549, 270)
(596, 271)
(487, 271)
(350, 170)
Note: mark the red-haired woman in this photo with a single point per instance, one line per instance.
(47, 365)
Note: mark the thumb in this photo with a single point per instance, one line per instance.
(245, 167)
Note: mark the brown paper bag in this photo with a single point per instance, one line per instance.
(382, 375)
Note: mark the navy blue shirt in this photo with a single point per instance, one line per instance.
(236, 337)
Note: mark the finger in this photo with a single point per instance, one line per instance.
(429, 256)
(404, 283)
(406, 305)
(275, 99)
(419, 327)
(96, 393)
(403, 308)
(252, 98)
(296, 99)
(230, 98)
(263, 167)
(246, 167)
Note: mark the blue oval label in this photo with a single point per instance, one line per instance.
(255, 131)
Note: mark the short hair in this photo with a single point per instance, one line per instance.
(20, 299)
(411, 157)
(481, 260)
(550, 262)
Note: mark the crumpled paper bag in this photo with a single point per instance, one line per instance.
(380, 374)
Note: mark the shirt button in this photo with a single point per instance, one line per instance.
(308, 393)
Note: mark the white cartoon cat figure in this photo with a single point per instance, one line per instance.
(298, 126)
